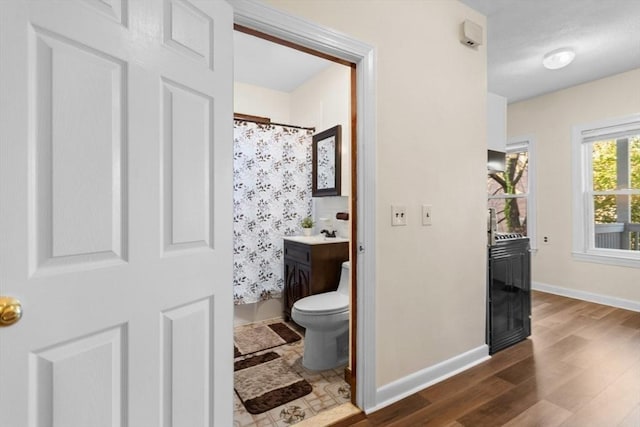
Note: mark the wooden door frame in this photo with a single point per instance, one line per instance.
(264, 21)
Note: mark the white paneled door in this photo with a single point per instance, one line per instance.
(115, 212)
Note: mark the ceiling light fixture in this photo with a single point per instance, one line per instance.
(558, 58)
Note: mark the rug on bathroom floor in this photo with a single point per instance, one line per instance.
(265, 381)
(262, 337)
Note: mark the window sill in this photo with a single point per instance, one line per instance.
(609, 259)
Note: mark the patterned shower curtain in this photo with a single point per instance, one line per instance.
(271, 194)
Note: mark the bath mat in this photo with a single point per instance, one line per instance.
(265, 381)
(262, 337)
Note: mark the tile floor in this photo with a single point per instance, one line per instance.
(329, 390)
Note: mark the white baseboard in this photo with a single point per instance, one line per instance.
(399, 389)
(587, 296)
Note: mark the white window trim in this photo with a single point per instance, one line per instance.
(528, 141)
(518, 144)
(583, 229)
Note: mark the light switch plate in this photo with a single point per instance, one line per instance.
(398, 215)
(426, 214)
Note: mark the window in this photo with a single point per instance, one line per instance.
(607, 193)
(511, 192)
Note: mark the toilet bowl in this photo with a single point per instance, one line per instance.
(326, 319)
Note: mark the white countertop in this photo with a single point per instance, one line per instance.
(318, 239)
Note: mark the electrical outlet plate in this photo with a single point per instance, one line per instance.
(398, 215)
(426, 214)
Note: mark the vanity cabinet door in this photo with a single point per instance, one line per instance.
(311, 269)
(296, 285)
(291, 294)
(303, 288)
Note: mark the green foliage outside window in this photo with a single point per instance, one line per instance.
(604, 162)
(634, 148)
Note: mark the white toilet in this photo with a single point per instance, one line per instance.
(326, 319)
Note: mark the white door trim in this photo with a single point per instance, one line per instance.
(263, 18)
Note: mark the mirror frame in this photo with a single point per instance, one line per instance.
(336, 133)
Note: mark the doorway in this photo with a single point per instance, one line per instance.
(332, 76)
(265, 19)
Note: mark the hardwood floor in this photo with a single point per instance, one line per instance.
(580, 367)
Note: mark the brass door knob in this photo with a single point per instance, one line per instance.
(10, 311)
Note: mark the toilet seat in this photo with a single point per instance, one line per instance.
(323, 304)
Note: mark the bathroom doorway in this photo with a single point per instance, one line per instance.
(267, 99)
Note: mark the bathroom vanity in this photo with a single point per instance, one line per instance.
(311, 266)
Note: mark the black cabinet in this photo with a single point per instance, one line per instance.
(311, 269)
(508, 294)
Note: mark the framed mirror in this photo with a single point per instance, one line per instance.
(326, 162)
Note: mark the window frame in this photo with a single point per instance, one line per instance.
(517, 145)
(583, 211)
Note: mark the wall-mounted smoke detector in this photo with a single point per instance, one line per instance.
(558, 58)
(470, 33)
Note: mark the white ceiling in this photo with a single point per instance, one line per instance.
(605, 35)
(266, 64)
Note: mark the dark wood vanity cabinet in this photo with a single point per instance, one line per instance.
(311, 269)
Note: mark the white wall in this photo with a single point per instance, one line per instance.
(430, 148)
(263, 102)
(323, 102)
(550, 119)
(496, 122)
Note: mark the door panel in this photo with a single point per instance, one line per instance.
(78, 152)
(82, 382)
(187, 381)
(189, 31)
(115, 227)
(187, 169)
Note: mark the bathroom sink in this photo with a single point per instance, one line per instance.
(317, 239)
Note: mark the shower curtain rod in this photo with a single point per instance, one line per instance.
(267, 121)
